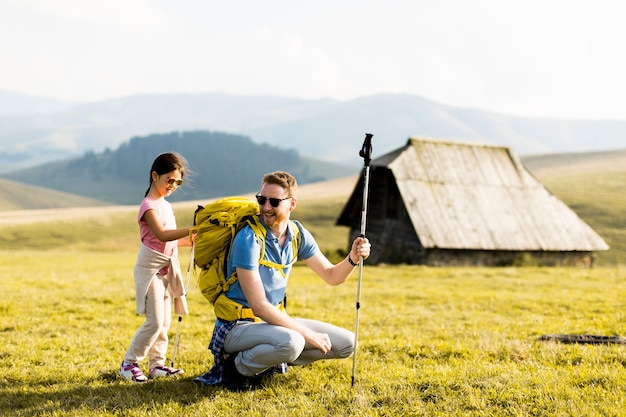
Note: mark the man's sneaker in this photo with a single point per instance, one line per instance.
(132, 373)
(162, 370)
(231, 377)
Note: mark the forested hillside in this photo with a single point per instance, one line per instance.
(220, 164)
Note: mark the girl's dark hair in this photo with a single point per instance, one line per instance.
(167, 162)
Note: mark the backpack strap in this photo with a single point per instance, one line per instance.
(296, 240)
(260, 233)
(229, 310)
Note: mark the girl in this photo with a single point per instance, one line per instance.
(157, 272)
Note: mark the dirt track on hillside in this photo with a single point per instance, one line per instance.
(333, 188)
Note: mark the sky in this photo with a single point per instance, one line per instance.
(536, 58)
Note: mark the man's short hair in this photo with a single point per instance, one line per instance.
(284, 179)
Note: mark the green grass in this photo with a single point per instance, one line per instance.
(598, 199)
(319, 218)
(433, 341)
(119, 231)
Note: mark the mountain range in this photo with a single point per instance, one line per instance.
(35, 130)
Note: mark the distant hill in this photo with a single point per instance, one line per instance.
(220, 164)
(17, 104)
(19, 196)
(324, 129)
(129, 181)
(591, 184)
(576, 163)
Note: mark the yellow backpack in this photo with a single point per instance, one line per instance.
(216, 226)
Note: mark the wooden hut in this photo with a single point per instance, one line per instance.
(450, 203)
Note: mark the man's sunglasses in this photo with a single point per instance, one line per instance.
(274, 202)
(171, 181)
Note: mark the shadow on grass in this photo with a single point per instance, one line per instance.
(108, 394)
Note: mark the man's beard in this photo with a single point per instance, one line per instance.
(270, 218)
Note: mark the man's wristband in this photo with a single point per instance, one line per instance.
(351, 262)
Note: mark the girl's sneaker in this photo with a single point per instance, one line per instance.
(132, 373)
(162, 370)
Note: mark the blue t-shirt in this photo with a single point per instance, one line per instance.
(245, 254)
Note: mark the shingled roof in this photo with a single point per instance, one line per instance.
(480, 197)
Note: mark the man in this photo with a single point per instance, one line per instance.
(247, 348)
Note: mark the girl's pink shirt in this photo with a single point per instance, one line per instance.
(165, 213)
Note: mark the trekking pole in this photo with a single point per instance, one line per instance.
(366, 154)
(180, 316)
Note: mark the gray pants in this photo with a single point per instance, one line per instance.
(151, 338)
(264, 345)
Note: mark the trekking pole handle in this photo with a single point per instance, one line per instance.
(366, 154)
(366, 150)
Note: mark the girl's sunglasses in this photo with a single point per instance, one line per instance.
(171, 181)
(274, 202)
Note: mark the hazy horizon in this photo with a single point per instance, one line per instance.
(556, 59)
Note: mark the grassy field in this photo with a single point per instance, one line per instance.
(433, 341)
(598, 198)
